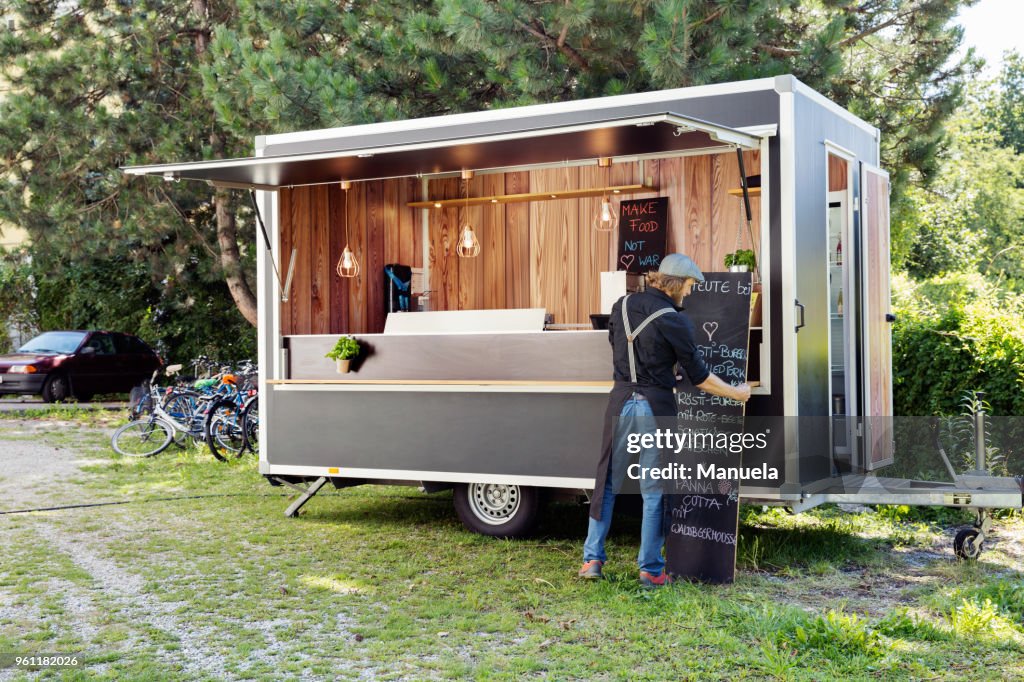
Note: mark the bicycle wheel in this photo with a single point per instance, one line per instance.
(251, 425)
(141, 438)
(223, 430)
(180, 404)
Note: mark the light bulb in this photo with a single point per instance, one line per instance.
(604, 221)
(348, 266)
(469, 245)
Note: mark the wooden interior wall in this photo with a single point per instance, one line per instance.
(552, 255)
(381, 229)
(837, 175)
(541, 254)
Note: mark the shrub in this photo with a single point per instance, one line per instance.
(955, 335)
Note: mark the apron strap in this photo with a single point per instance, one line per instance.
(630, 334)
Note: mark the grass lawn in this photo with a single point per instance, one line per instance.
(384, 583)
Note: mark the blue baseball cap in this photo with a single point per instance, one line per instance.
(680, 265)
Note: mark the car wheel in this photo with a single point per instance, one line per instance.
(497, 509)
(55, 389)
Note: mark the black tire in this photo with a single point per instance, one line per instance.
(56, 388)
(223, 430)
(251, 425)
(965, 544)
(498, 510)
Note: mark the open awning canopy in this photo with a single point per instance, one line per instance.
(454, 148)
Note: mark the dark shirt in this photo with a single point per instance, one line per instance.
(667, 340)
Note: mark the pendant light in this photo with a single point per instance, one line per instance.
(469, 245)
(348, 266)
(604, 219)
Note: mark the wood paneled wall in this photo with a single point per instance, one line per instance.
(381, 229)
(552, 255)
(837, 174)
(542, 254)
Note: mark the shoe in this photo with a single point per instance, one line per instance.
(649, 580)
(591, 570)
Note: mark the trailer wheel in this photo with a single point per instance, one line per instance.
(967, 544)
(497, 509)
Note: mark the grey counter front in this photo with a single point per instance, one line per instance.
(524, 407)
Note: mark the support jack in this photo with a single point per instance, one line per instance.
(306, 495)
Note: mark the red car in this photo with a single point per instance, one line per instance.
(58, 365)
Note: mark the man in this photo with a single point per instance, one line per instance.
(649, 334)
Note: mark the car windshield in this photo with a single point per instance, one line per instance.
(54, 342)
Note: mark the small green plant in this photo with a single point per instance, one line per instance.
(345, 349)
(970, 618)
(780, 661)
(837, 632)
(902, 624)
(741, 257)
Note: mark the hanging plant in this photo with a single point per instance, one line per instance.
(741, 260)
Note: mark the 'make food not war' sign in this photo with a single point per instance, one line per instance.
(643, 234)
(702, 509)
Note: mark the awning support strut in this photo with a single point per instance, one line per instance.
(746, 207)
(266, 238)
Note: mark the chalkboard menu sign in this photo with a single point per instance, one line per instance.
(643, 234)
(702, 510)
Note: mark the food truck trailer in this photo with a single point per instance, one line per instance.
(494, 383)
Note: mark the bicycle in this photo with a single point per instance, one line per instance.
(146, 437)
(225, 430)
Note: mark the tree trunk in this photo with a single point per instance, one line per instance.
(230, 259)
(227, 229)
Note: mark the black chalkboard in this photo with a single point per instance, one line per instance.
(702, 511)
(643, 234)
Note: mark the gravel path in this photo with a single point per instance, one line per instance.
(27, 403)
(30, 471)
(31, 475)
(30, 468)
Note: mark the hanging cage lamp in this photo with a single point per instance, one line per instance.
(348, 266)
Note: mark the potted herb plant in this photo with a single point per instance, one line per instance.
(344, 350)
(742, 260)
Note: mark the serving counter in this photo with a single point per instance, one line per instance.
(516, 407)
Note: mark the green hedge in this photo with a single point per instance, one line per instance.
(953, 335)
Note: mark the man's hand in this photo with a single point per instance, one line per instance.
(742, 392)
(716, 386)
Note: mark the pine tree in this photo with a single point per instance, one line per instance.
(102, 84)
(99, 85)
(315, 65)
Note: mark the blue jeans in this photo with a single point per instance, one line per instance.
(652, 531)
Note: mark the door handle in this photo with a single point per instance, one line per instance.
(889, 317)
(802, 314)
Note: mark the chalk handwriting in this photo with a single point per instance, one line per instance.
(704, 534)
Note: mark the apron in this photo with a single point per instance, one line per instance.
(661, 400)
